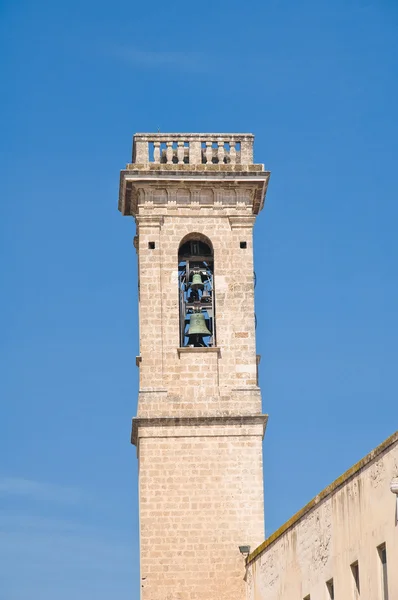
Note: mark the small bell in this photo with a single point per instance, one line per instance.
(197, 283)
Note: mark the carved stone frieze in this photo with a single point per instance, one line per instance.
(183, 195)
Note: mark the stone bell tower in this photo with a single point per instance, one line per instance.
(199, 427)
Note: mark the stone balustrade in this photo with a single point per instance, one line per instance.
(193, 148)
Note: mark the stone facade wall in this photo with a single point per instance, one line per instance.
(207, 383)
(200, 498)
(201, 485)
(199, 426)
(346, 524)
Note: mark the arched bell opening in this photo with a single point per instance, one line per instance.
(196, 292)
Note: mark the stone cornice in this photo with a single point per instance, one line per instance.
(148, 136)
(241, 222)
(184, 170)
(212, 189)
(139, 422)
(150, 220)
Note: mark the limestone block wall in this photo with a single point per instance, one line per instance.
(200, 488)
(344, 525)
(199, 427)
(196, 383)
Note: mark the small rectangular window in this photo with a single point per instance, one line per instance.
(355, 574)
(243, 244)
(384, 580)
(330, 588)
(151, 245)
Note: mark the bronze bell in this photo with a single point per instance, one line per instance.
(197, 325)
(197, 283)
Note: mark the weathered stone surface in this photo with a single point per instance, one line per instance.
(199, 427)
(345, 523)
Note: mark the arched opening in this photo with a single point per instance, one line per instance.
(196, 291)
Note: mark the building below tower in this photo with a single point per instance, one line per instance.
(342, 544)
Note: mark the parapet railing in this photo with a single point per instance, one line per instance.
(193, 148)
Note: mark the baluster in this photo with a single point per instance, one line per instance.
(221, 153)
(232, 152)
(180, 153)
(209, 153)
(156, 152)
(169, 152)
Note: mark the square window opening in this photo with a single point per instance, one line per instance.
(355, 574)
(151, 245)
(383, 563)
(330, 588)
(243, 244)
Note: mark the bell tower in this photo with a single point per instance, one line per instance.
(199, 427)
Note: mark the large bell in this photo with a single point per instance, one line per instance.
(197, 325)
(197, 283)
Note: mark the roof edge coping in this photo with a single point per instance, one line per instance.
(325, 493)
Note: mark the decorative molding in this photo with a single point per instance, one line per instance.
(140, 422)
(242, 222)
(191, 189)
(189, 350)
(149, 221)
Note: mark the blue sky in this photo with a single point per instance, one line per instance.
(317, 82)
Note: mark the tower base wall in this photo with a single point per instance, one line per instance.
(201, 497)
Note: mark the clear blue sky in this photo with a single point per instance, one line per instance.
(317, 82)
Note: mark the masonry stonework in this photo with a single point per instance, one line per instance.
(311, 556)
(199, 426)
